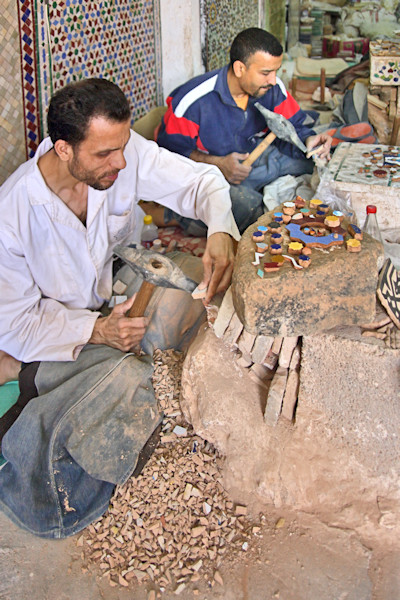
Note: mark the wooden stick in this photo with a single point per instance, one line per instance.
(294, 86)
(142, 299)
(395, 131)
(376, 102)
(267, 141)
(322, 85)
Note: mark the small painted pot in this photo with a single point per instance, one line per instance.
(315, 203)
(258, 236)
(274, 227)
(276, 238)
(332, 222)
(338, 214)
(261, 247)
(295, 248)
(289, 208)
(353, 245)
(275, 249)
(304, 261)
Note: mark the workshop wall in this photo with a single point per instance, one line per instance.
(66, 40)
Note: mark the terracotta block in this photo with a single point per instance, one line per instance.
(275, 396)
(234, 330)
(290, 396)
(225, 314)
(261, 372)
(288, 345)
(296, 358)
(261, 347)
(246, 342)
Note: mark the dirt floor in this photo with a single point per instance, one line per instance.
(274, 554)
(301, 559)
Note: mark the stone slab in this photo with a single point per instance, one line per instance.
(337, 288)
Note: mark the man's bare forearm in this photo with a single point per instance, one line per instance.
(230, 165)
(203, 157)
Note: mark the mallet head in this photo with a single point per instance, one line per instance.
(155, 268)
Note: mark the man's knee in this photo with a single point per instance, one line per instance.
(247, 206)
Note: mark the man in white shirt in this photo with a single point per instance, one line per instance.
(63, 212)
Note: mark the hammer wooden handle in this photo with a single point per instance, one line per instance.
(267, 141)
(142, 299)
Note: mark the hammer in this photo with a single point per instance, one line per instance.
(156, 270)
(280, 128)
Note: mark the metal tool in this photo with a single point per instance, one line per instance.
(156, 270)
(280, 128)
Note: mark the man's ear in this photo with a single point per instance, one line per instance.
(63, 150)
(238, 68)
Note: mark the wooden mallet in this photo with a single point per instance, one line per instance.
(156, 270)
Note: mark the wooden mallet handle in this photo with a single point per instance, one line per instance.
(267, 141)
(322, 86)
(142, 299)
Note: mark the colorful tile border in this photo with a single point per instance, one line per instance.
(29, 83)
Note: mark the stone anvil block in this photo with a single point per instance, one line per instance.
(338, 288)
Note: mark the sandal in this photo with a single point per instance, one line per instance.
(361, 133)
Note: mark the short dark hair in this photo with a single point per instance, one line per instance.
(252, 40)
(72, 108)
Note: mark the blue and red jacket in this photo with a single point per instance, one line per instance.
(202, 115)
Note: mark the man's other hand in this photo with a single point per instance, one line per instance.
(322, 139)
(232, 168)
(119, 331)
(218, 264)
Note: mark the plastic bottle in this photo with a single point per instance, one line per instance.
(149, 232)
(371, 224)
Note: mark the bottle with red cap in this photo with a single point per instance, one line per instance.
(371, 224)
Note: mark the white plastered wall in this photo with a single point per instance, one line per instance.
(180, 39)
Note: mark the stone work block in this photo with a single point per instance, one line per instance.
(358, 391)
(339, 288)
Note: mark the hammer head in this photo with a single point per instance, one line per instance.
(281, 127)
(155, 268)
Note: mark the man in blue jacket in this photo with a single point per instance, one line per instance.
(212, 119)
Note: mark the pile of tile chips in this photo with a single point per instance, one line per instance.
(170, 527)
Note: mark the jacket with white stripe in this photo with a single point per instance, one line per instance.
(202, 115)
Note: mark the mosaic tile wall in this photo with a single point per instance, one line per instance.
(12, 130)
(221, 21)
(116, 39)
(65, 40)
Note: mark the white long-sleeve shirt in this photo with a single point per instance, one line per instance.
(55, 273)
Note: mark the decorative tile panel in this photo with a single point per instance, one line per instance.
(115, 39)
(221, 21)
